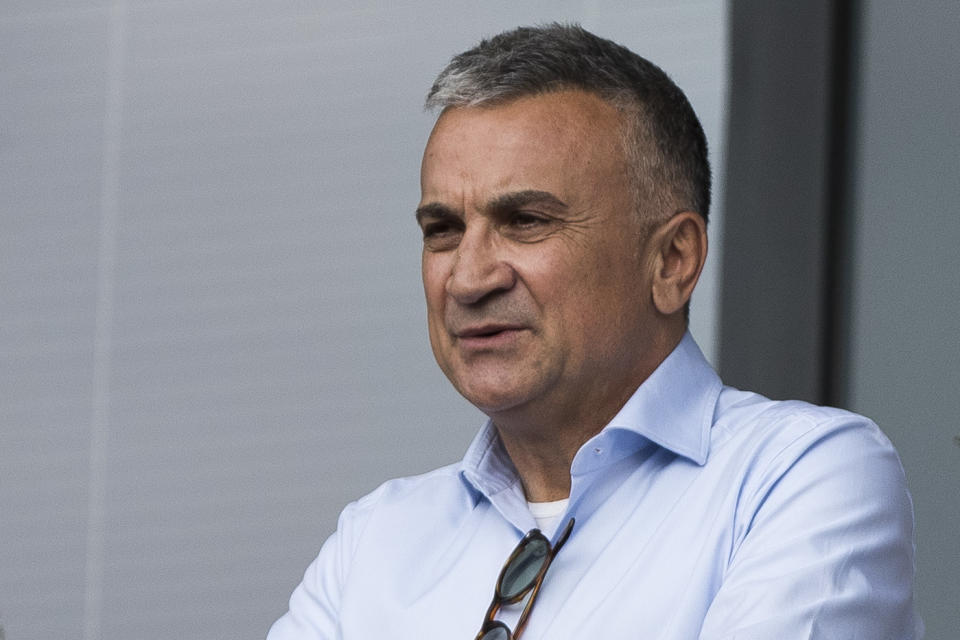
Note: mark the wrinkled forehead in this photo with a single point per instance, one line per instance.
(536, 142)
(573, 110)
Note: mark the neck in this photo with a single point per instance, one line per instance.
(543, 463)
(543, 440)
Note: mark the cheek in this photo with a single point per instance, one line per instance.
(434, 289)
(574, 279)
(600, 290)
(433, 280)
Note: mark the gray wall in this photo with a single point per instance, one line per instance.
(211, 322)
(905, 323)
(841, 265)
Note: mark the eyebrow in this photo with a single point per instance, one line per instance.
(434, 210)
(518, 199)
(503, 202)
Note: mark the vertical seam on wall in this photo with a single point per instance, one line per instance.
(106, 268)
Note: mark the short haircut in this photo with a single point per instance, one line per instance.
(663, 140)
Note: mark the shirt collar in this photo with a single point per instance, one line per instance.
(486, 465)
(673, 407)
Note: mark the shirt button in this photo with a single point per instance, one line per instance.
(598, 451)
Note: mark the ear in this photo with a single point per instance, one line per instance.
(680, 246)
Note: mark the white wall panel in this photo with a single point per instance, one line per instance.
(51, 106)
(211, 323)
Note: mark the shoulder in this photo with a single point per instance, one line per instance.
(799, 462)
(372, 527)
(820, 496)
(400, 501)
(780, 431)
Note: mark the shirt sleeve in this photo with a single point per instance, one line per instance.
(315, 603)
(825, 548)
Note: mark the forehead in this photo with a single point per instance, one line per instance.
(565, 140)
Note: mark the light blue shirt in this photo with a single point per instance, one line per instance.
(701, 512)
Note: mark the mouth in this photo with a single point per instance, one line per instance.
(485, 330)
(488, 336)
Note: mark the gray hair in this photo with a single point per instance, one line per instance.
(663, 140)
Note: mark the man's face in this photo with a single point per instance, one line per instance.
(536, 276)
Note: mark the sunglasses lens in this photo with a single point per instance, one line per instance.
(498, 632)
(522, 571)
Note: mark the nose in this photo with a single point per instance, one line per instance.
(479, 269)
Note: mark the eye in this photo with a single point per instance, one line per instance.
(528, 226)
(441, 235)
(433, 229)
(526, 219)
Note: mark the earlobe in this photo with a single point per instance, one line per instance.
(681, 245)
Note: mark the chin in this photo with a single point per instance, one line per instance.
(492, 400)
(494, 386)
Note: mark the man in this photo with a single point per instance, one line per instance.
(565, 190)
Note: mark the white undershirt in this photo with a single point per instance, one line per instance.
(547, 514)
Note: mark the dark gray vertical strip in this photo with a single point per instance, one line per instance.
(772, 303)
(841, 185)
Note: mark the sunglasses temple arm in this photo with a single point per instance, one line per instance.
(563, 536)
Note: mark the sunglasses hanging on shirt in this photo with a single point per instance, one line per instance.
(522, 573)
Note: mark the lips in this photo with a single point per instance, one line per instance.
(486, 331)
(488, 336)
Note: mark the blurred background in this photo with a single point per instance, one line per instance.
(212, 333)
